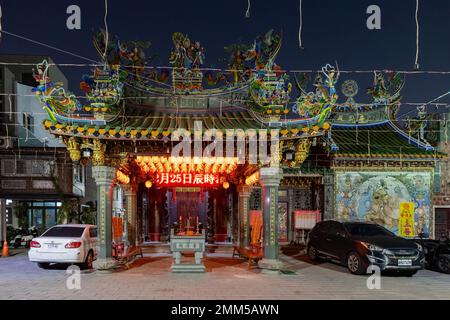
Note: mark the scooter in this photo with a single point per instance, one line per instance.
(23, 237)
(16, 241)
(26, 239)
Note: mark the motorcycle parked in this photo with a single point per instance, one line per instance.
(23, 237)
(437, 253)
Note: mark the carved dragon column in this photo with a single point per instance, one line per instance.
(270, 181)
(104, 176)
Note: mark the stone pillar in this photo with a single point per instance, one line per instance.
(104, 176)
(243, 213)
(270, 181)
(130, 192)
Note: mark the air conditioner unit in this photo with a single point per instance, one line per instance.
(6, 142)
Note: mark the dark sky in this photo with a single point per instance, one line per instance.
(332, 31)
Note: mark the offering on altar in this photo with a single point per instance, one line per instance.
(188, 230)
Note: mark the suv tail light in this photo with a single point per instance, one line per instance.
(34, 244)
(73, 245)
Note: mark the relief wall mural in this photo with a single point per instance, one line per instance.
(376, 196)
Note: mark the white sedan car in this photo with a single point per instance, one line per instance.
(65, 243)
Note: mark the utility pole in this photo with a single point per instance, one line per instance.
(2, 220)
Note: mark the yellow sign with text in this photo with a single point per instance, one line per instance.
(406, 220)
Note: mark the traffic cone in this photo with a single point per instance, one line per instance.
(5, 250)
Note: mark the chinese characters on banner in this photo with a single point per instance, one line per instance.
(406, 219)
(187, 179)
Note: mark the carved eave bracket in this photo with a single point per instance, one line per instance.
(301, 152)
(73, 147)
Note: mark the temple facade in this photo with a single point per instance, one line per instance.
(239, 153)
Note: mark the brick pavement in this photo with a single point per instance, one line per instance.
(226, 278)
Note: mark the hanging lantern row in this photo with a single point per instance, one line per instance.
(214, 165)
(252, 179)
(122, 177)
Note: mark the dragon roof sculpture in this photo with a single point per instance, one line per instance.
(254, 86)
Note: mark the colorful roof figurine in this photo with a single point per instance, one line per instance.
(129, 100)
(255, 94)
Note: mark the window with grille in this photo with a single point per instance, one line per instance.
(255, 199)
(21, 167)
(78, 173)
(28, 121)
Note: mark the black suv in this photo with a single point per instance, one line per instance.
(360, 244)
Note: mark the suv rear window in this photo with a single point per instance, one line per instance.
(324, 227)
(367, 230)
(69, 232)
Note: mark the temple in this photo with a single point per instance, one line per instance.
(236, 154)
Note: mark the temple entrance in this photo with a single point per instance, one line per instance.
(189, 209)
(186, 209)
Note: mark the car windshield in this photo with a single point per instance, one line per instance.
(65, 232)
(367, 230)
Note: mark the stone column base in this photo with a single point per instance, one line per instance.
(108, 264)
(270, 264)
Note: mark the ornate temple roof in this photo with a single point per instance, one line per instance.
(129, 101)
(143, 124)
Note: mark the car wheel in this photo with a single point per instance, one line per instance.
(444, 264)
(43, 265)
(355, 264)
(88, 262)
(312, 253)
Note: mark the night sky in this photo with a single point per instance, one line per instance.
(332, 31)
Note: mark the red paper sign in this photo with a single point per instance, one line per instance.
(187, 179)
(306, 219)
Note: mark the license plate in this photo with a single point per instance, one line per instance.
(52, 245)
(404, 262)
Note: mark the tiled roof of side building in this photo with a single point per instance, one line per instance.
(377, 141)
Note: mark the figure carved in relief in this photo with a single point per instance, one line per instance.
(98, 157)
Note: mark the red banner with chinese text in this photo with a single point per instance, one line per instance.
(187, 179)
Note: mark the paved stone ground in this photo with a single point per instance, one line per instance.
(226, 278)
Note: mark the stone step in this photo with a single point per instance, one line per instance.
(155, 248)
(188, 268)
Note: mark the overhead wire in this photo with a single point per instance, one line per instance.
(247, 13)
(416, 61)
(48, 46)
(300, 25)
